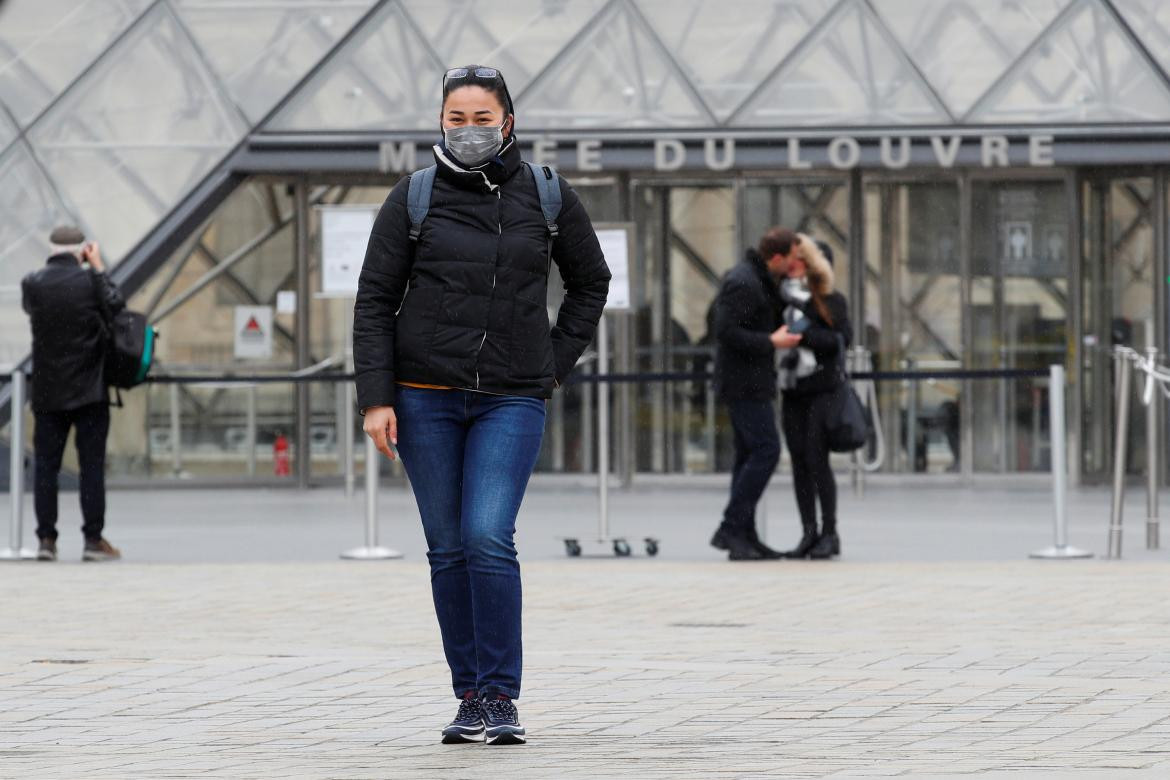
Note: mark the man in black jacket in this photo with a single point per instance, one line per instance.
(748, 332)
(68, 388)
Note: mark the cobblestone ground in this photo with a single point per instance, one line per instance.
(633, 667)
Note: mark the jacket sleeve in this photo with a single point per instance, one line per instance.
(381, 287)
(25, 298)
(110, 293)
(821, 338)
(732, 310)
(578, 255)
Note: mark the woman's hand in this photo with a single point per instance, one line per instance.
(381, 425)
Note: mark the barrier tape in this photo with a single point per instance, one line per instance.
(578, 378)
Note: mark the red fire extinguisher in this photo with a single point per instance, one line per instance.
(280, 458)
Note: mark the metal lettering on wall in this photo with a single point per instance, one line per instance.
(843, 152)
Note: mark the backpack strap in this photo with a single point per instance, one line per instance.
(548, 187)
(418, 198)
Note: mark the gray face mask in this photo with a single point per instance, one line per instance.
(474, 144)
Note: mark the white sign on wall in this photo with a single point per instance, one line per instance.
(345, 231)
(615, 245)
(253, 329)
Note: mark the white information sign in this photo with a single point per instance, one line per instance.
(615, 245)
(253, 328)
(286, 302)
(345, 231)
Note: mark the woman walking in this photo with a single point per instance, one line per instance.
(455, 359)
(809, 376)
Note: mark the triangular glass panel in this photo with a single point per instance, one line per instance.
(1086, 69)
(726, 55)
(8, 130)
(386, 77)
(44, 45)
(615, 75)
(260, 51)
(1150, 21)
(29, 209)
(154, 90)
(520, 37)
(847, 73)
(963, 46)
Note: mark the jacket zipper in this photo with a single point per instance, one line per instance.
(499, 232)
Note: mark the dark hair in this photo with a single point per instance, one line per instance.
(777, 241)
(496, 86)
(826, 250)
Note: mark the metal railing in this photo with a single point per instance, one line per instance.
(1157, 386)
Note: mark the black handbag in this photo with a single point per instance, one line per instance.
(848, 423)
(130, 342)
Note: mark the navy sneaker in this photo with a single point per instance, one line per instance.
(501, 721)
(468, 723)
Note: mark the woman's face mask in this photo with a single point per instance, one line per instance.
(474, 144)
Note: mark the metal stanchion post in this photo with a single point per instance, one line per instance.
(16, 550)
(1124, 370)
(912, 421)
(347, 440)
(1153, 471)
(371, 551)
(1058, 436)
(176, 433)
(602, 432)
(250, 442)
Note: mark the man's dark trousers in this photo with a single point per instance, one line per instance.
(757, 451)
(52, 430)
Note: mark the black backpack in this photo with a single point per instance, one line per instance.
(130, 342)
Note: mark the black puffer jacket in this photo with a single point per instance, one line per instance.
(68, 343)
(467, 307)
(825, 341)
(747, 309)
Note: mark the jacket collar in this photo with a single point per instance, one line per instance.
(64, 258)
(486, 177)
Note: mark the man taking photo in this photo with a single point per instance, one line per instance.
(65, 301)
(748, 332)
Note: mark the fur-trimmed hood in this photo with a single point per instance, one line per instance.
(820, 270)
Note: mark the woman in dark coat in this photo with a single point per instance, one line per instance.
(455, 359)
(809, 376)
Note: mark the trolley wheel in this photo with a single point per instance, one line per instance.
(572, 548)
(621, 548)
(651, 547)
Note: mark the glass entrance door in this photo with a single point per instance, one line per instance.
(1119, 275)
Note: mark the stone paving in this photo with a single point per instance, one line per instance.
(636, 667)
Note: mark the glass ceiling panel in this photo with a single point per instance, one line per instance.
(848, 73)
(963, 46)
(137, 132)
(615, 75)
(726, 55)
(1085, 70)
(261, 49)
(45, 44)
(1150, 21)
(520, 37)
(386, 78)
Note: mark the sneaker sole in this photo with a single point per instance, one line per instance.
(507, 736)
(46, 557)
(462, 737)
(99, 558)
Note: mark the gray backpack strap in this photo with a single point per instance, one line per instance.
(548, 187)
(418, 198)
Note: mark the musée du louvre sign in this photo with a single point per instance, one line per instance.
(715, 153)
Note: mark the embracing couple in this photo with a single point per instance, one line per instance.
(779, 323)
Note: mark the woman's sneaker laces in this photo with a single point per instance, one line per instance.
(501, 721)
(468, 723)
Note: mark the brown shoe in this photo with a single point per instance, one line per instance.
(100, 550)
(48, 550)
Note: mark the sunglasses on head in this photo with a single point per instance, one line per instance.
(462, 73)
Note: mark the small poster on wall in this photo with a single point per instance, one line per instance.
(615, 245)
(253, 329)
(345, 231)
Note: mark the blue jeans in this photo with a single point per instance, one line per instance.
(757, 451)
(469, 456)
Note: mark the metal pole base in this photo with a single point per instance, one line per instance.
(18, 555)
(1152, 542)
(1061, 553)
(371, 554)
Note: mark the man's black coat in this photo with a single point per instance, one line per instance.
(748, 309)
